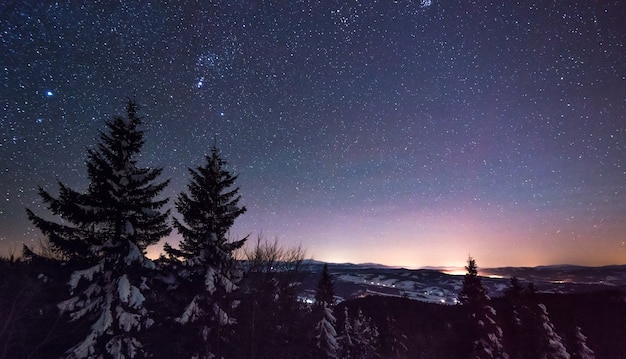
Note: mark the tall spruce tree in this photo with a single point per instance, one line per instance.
(208, 272)
(344, 341)
(325, 335)
(104, 232)
(485, 333)
(325, 291)
(120, 197)
(326, 345)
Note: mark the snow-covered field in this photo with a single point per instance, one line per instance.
(431, 285)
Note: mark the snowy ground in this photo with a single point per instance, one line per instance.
(428, 285)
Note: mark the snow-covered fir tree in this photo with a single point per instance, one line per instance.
(485, 333)
(365, 336)
(345, 342)
(551, 343)
(325, 334)
(207, 272)
(359, 338)
(104, 233)
(581, 350)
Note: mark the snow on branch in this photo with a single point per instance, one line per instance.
(222, 317)
(135, 255)
(127, 320)
(191, 313)
(85, 273)
(129, 293)
(209, 280)
(86, 348)
(123, 288)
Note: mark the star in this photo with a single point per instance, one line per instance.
(397, 132)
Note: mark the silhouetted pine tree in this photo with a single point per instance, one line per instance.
(473, 291)
(120, 196)
(207, 273)
(325, 291)
(209, 211)
(485, 333)
(105, 231)
(515, 289)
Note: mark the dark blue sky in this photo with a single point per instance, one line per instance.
(405, 133)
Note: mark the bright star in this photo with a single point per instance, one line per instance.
(49, 93)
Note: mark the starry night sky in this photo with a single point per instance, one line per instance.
(399, 132)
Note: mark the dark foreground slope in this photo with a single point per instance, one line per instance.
(439, 331)
(31, 327)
